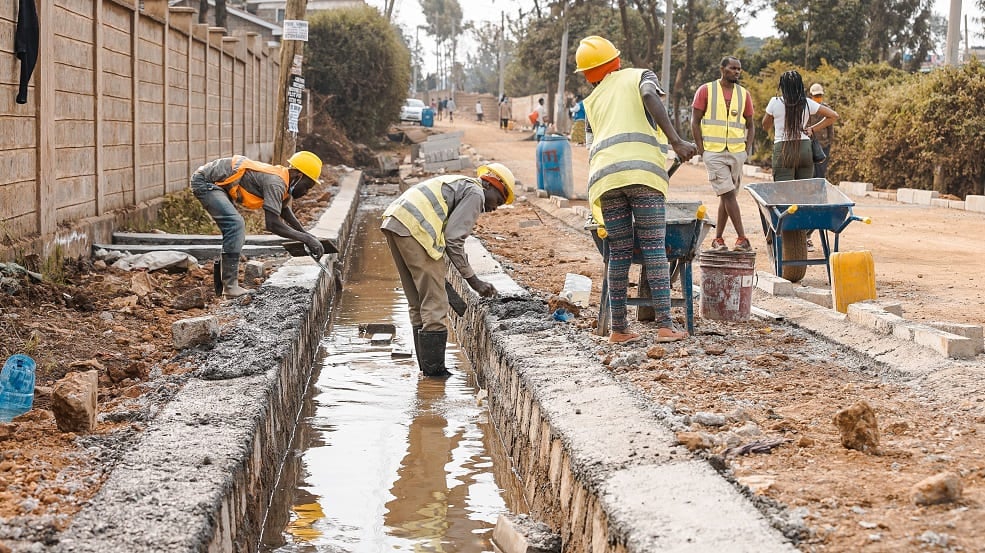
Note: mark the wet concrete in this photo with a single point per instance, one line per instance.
(384, 460)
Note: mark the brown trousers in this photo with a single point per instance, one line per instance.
(423, 279)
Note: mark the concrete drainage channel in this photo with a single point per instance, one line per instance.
(595, 462)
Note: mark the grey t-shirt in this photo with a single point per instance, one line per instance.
(264, 185)
(465, 200)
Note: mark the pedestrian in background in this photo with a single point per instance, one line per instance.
(724, 130)
(442, 104)
(542, 120)
(578, 121)
(787, 115)
(628, 177)
(427, 224)
(450, 106)
(825, 135)
(251, 184)
(505, 112)
(478, 111)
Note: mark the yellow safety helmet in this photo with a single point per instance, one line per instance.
(504, 175)
(594, 51)
(308, 163)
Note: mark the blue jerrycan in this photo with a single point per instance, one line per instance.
(16, 387)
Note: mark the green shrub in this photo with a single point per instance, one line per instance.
(357, 57)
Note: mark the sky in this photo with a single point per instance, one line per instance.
(408, 14)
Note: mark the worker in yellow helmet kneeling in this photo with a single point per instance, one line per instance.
(628, 176)
(226, 182)
(428, 222)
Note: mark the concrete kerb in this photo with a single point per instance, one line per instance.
(591, 453)
(201, 475)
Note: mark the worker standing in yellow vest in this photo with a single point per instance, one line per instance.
(226, 182)
(723, 128)
(427, 224)
(628, 176)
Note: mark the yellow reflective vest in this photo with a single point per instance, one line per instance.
(724, 124)
(239, 194)
(423, 210)
(626, 149)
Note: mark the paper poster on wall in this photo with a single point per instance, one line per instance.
(296, 65)
(295, 29)
(293, 114)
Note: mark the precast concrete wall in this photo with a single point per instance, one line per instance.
(124, 103)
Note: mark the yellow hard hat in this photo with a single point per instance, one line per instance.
(504, 175)
(308, 163)
(594, 51)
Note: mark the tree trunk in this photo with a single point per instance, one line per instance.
(203, 11)
(220, 13)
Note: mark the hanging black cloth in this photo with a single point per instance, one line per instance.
(26, 44)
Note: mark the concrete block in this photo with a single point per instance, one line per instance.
(521, 534)
(937, 202)
(193, 331)
(749, 170)
(904, 331)
(529, 188)
(541, 193)
(855, 188)
(773, 285)
(944, 343)
(973, 202)
(904, 195)
(560, 202)
(975, 333)
(873, 317)
(820, 296)
(891, 196)
(923, 197)
(253, 270)
(889, 306)
(956, 204)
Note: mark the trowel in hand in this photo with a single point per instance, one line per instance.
(455, 301)
(298, 249)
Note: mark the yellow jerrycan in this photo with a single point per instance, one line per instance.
(853, 278)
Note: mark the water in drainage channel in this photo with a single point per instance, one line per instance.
(384, 460)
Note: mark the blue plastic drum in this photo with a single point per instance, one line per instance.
(427, 117)
(554, 166)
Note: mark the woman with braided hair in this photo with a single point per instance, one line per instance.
(787, 115)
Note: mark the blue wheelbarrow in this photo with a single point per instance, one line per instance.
(686, 230)
(790, 211)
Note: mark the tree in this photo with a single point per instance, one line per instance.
(220, 12)
(357, 57)
(444, 22)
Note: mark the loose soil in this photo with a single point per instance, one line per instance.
(779, 386)
(772, 381)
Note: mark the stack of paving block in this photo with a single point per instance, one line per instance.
(441, 153)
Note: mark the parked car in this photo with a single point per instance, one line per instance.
(412, 110)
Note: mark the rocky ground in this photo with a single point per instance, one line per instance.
(85, 315)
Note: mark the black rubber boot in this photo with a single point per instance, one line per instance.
(432, 353)
(230, 276)
(417, 345)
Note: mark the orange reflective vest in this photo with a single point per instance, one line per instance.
(239, 194)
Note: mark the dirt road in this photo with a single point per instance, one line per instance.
(775, 384)
(928, 259)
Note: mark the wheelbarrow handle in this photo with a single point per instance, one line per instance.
(866, 220)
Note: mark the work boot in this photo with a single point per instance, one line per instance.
(432, 354)
(417, 345)
(230, 276)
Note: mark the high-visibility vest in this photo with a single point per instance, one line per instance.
(423, 210)
(626, 148)
(239, 194)
(724, 126)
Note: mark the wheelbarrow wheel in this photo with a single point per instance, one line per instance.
(794, 248)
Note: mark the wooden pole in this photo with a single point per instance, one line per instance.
(284, 142)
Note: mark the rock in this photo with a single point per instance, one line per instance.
(708, 419)
(194, 331)
(656, 352)
(804, 441)
(254, 271)
(858, 427)
(521, 534)
(715, 349)
(191, 299)
(626, 359)
(73, 401)
(695, 440)
(749, 430)
(739, 415)
(941, 488)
